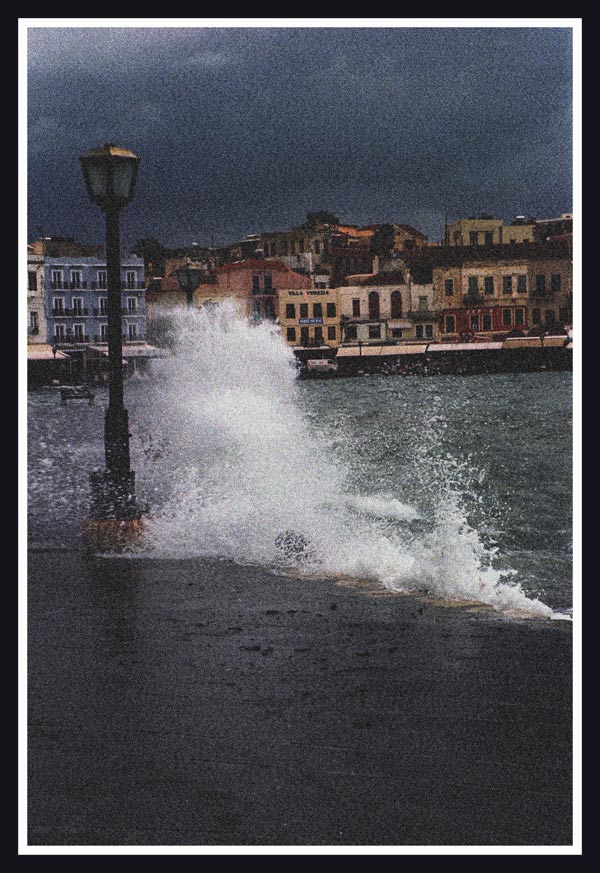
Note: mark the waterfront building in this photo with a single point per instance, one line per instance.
(502, 289)
(475, 231)
(76, 307)
(258, 281)
(374, 308)
(37, 327)
(310, 317)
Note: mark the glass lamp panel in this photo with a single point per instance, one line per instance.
(97, 177)
(122, 178)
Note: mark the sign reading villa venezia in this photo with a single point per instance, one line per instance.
(486, 282)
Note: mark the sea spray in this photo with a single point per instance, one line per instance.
(234, 467)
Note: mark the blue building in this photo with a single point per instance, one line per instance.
(77, 297)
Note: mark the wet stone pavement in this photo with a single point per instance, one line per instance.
(203, 703)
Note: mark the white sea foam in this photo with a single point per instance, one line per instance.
(232, 461)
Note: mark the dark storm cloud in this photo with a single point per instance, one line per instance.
(246, 129)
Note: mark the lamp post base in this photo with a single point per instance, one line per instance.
(115, 523)
(111, 535)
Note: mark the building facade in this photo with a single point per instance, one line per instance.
(376, 310)
(258, 282)
(37, 326)
(503, 289)
(310, 317)
(77, 300)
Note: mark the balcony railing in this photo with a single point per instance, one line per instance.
(58, 286)
(76, 285)
(422, 315)
(71, 339)
(70, 312)
(473, 299)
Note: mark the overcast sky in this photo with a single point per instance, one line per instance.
(242, 130)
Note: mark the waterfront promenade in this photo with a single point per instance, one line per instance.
(203, 703)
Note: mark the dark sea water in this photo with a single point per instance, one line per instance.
(456, 486)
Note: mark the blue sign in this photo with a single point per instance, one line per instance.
(311, 321)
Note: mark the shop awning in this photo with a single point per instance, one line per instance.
(463, 347)
(140, 350)
(43, 352)
(380, 351)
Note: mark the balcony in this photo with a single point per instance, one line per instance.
(422, 315)
(58, 286)
(71, 339)
(473, 299)
(70, 313)
(76, 286)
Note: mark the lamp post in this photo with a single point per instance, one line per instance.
(189, 280)
(110, 175)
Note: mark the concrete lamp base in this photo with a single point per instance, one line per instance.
(111, 535)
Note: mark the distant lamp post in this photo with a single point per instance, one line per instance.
(110, 175)
(189, 280)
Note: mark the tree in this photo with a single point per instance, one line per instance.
(153, 252)
(322, 217)
(382, 242)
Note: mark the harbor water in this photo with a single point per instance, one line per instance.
(457, 487)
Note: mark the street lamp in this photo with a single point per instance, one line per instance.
(110, 175)
(189, 280)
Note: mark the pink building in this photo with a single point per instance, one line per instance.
(258, 282)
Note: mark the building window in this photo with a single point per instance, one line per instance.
(102, 280)
(104, 332)
(256, 310)
(130, 278)
(356, 308)
(79, 332)
(302, 245)
(317, 247)
(291, 334)
(31, 281)
(132, 304)
(519, 316)
(56, 279)
(473, 238)
(374, 331)
(292, 247)
(474, 322)
(473, 285)
(422, 304)
(488, 284)
(256, 283)
(555, 281)
(76, 279)
(59, 333)
(419, 331)
(33, 322)
(268, 283)
(396, 332)
(351, 332)
(132, 331)
(318, 335)
(450, 324)
(325, 246)
(304, 310)
(290, 311)
(331, 312)
(331, 332)
(273, 249)
(103, 303)
(58, 306)
(429, 330)
(396, 304)
(489, 237)
(373, 305)
(304, 335)
(449, 287)
(507, 284)
(540, 285)
(317, 310)
(284, 247)
(522, 284)
(266, 247)
(506, 317)
(486, 322)
(269, 310)
(549, 317)
(77, 306)
(536, 316)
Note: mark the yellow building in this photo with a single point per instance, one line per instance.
(310, 316)
(375, 313)
(475, 232)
